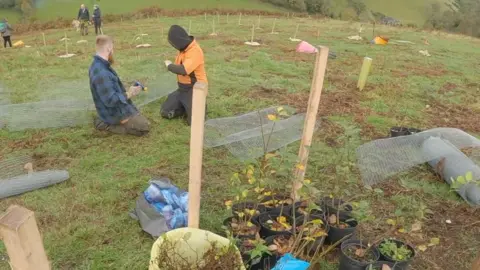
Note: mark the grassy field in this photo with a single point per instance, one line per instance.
(85, 220)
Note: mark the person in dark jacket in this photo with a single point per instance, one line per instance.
(84, 18)
(189, 67)
(97, 19)
(6, 33)
(115, 109)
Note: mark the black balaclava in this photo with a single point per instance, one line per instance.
(179, 38)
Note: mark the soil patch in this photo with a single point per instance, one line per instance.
(31, 143)
(425, 71)
(454, 116)
(447, 87)
(43, 162)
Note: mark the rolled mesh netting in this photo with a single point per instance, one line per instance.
(251, 135)
(69, 105)
(380, 159)
(13, 166)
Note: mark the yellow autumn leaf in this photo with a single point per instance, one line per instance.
(401, 230)
(249, 172)
(250, 224)
(331, 196)
(309, 239)
(268, 193)
(434, 241)
(258, 189)
(279, 109)
(270, 155)
(237, 198)
(252, 180)
(319, 234)
(391, 222)
(301, 167)
(241, 215)
(228, 204)
(307, 181)
(252, 212)
(244, 193)
(422, 248)
(281, 219)
(272, 117)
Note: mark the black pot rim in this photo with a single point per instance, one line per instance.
(325, 223)
(414, 253)
(276, 214)
(354, 242)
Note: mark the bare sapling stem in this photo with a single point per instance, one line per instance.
(273, 27)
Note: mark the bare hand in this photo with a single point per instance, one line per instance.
(168, 63)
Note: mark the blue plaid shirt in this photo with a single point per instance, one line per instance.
(108, 93)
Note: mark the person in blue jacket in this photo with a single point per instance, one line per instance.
(97, 20)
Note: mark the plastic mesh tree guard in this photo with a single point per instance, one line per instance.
(253, 134)
(13, 166)
(68, 104)
(380, 159)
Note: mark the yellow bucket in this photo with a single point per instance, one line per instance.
(380, 41)
(192, 244)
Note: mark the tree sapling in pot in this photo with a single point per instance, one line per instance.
(397, 252)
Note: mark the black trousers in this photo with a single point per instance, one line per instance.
(5, 40)
(179, 104)
(98, 26)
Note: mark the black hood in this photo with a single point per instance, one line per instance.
(179, 38)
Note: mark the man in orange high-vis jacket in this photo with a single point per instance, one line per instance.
(189, 67)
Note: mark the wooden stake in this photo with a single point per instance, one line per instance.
(253, 32)
(23, 242)
(44, 41)
(240, 19)
(205, 16)
(213, 26)
(66, 44)
(310, 119)
(218, 18)
(296, 31)
(200, 92)
(228, 15)
(189, 27)
(273, 27)
(258, 22)
(362, 79)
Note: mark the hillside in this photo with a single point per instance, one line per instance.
(50, 9)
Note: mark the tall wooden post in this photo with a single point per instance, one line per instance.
(23, 242)
(200, 91)
(362, 79)
(310, 119)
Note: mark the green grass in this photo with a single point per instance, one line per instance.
(85, 222)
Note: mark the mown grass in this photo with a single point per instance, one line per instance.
(85, 220)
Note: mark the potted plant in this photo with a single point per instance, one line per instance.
(242, 227)
(398, 252)
(311, 233)
(381, 265)
(398, 131)
(335, 206)
(273, 223)
(255, 254)
(280, 245)
(341, 227)
(356, 255)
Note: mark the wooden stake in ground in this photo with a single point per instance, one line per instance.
(205, 16)
(252, 42)
(362, 79)
(228, 15)
(218, 18)
(66, 44)
(258, 22)
(200, 92)
(44, 41)
(189, 27)
(310, 119)
(273, 27)
(240, 19)
(295, 39)
(213, 28)
(19, 232)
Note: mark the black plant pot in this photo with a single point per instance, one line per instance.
(299, 211)
(399, 131)
(412, 131)
(336, 234)
(240, 207)
(276, 198)
(378, 265)
(227, 223)
(348, 263)
(399, 265)
(263, 263)
(270, 241)
(331, 206)
(265, 231)
(319, 241)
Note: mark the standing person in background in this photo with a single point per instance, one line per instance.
(97, 20)
(84, 18)
(189, 67)
(6, 31)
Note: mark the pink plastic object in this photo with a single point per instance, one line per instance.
(305, 47)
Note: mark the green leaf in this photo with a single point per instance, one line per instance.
(187, 236)
(461, 180)
(379, 191)
(469, 176)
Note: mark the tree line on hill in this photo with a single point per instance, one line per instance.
(461, 16)
(25, 6)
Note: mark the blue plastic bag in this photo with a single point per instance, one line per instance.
(288, 262)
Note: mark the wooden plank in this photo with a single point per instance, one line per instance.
(23, 242)
(310, 119)
(200, 91)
